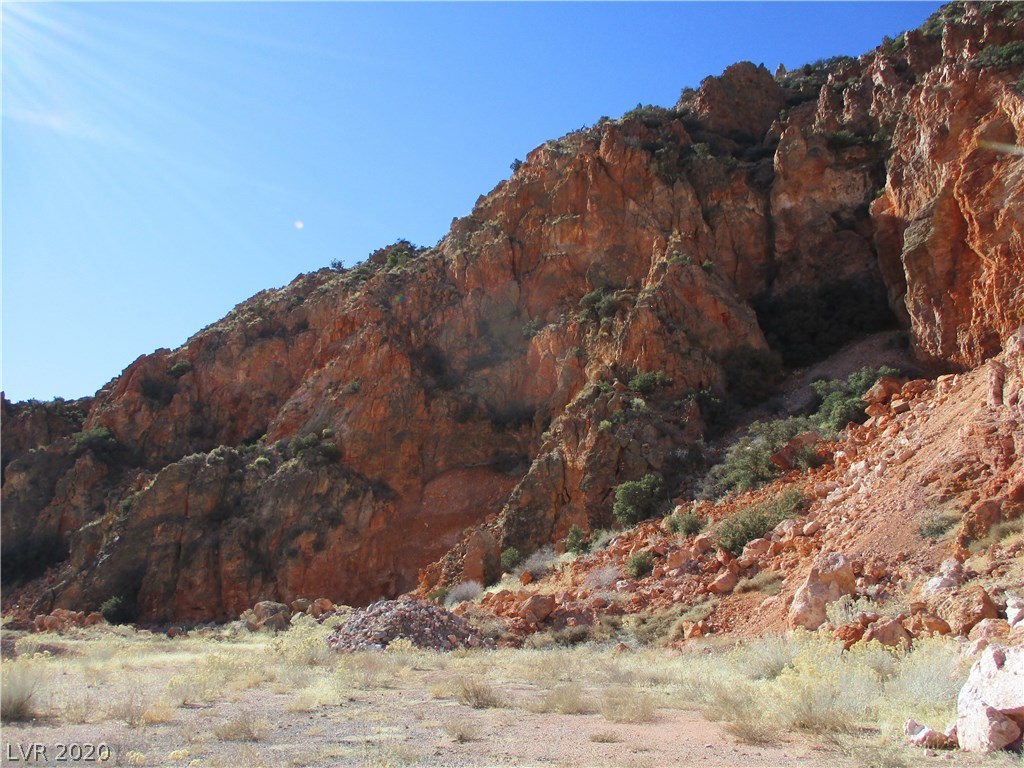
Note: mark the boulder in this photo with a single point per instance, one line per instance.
(882, 390)
(990, 707)
(830, 578)
(536, 608)
(725, 583)
(963, 609)
(889, 632)
(849, 634)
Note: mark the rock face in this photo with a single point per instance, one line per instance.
(340, 435)
(990, 707)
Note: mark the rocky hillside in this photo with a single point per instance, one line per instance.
(627, 293)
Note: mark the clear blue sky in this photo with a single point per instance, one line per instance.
(158, 157)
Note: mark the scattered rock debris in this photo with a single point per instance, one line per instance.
(423, 624)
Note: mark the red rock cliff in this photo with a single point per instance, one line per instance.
(337, 435)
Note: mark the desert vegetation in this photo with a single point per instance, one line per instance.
(227, 697)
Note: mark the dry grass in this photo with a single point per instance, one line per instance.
(22, 678)
(245, 726)
(766, 583)
(566, 699)
(133, 707)
(477, 693)
(627, 705)
(461, 730)
(605, 737)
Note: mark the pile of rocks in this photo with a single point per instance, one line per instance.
(423, 624)
(61, 620)
(269, 615)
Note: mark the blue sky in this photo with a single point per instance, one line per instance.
(157, 158)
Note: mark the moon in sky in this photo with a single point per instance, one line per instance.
(299, 224)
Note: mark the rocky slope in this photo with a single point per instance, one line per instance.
(338, 435)
(914, 506)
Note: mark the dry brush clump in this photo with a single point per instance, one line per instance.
(566, 699)
(806, 682)
(477, 693)
(22, 680)
(620, 704)
(244, 726)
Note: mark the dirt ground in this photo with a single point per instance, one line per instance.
(285, 702)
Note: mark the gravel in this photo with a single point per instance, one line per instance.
(424, 624)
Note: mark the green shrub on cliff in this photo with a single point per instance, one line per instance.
(636, 500)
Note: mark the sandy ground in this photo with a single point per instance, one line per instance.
(239, 703)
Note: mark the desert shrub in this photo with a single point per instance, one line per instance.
(566, 699)
(477, 693)
(305, 643)
(927, 680)
(601, 578)
(747, 463)
(766, 582)
(510, 558)
(686, 523)
(824, 690)
(1001, 56)
(753, 522)
(245, 726)
(646, 382)
(576, 540)
(117, 610)
(702, 150)
(844, 137)
(627, 705)
(438, 595)
(134, 707)
(936, 522)
(841, 400)
(99, 440)
(636, 500)
(654, 628)
(740, 706)
(639, 564)
(566, 636)
(459, 729)
(539, 562)
(460, 593)
(763, 658)
(531, 327)
(314, 447)
(20, 681)
(179, 369)
(599, 303)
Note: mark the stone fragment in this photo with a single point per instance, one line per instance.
(924, 736)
